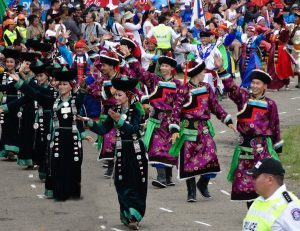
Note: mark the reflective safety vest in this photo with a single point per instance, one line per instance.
(163, 36)
(262, 214)
(22, 30)
(11, 35)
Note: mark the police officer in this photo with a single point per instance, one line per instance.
(10, 34)
(165, 36)
(276, 209)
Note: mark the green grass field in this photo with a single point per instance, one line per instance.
(291, 152)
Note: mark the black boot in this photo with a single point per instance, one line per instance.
(169, 176)
(298, 85)
(160, 182)
(202, 186)
(191, 188)
(110, 169)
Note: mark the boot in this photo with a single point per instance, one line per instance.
(161, 178)
(11, 156)
(169, 176)
(298, 85)
(133, 224)
(191, 188)
(110, 168)
(202, 186)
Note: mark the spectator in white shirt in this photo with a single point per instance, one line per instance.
(127, 22)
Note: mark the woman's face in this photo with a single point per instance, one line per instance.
(205, 40)
(262, 22)
(42, 78)
(166, 69)
(151, 15)
(276, 25)
(10, 64)
(212, 26)
(200, 77)
(151, 46)
(26, 66)
(52, 26)
(21, 21)
(106, 69)
(121, 98)
(36, 21)
(64, 87)
(11, 27)
(250, 33)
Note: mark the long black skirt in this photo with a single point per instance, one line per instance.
(131, 173)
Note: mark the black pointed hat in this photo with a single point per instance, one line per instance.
(29, 56)
(123, 83)
(261, 75)
(39, 66)
(128, 42)
(65, 74)
(109, 58)
(11, 53)
(195, 68)
(168, 60)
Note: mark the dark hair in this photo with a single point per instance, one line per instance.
(20, 9)
(161, 19)
(230, 3)
(93, 16)
(48, 22)
(71, 11)
(215, 24)
(54, 1)
(23, 24)
(144, 18)
(31, 18)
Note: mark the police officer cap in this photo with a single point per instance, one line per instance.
(267, 165)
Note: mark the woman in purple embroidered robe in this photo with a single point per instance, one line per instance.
(194, 103)
(258, 125)
(161, 99)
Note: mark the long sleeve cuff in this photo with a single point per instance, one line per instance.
(106, 90)
(145, 99)
(89, 123)
(228, 120)
(120, 122)
(278, 146)
(84, 135)
(4, 107)
(223, 74)
(19, 84)
(174, 128)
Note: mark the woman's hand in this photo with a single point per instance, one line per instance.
(89, 139)
(218, 61)
(231, 126)
(81, 118)
(66, 34)
(174, 137)
(15, 76)
(22, 67)
(114, 115)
